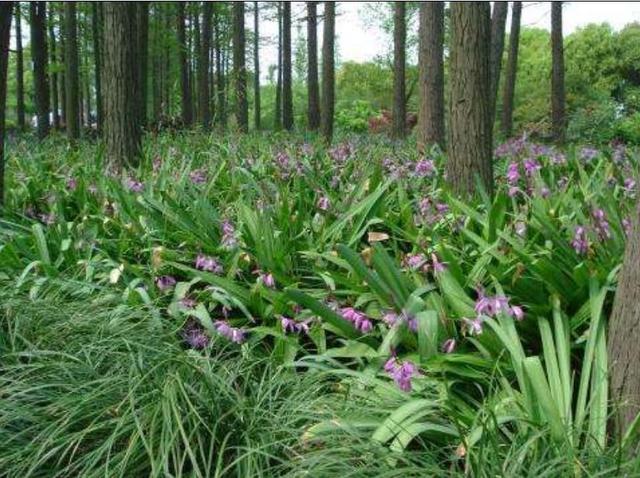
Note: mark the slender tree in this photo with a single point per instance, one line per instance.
(71, 75)
(239, 69)
(512, 68)
(469, 142)
(62, 81)
(121, 130)
(221, 112)
(278, 106)
(256, 64)
(19, 69)
(558, 120)
(185, 90)
(96, 22)
(53, 76)
(204, 111)
(313, 87)
(328, 72)
(399, 112)
(142, 53)
(498, 22)
(5, 34)
(86, 77)
(287, 78)
(431, 75)
(39, 57)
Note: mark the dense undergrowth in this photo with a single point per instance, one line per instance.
(263, 306)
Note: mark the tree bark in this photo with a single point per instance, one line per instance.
(512, 68)
(185, 90)
(220, 78)
(256, 65)
(431, 72)
(53, 60)
(287, 78)
(5, 34)
(204, 112)
(470, 149)
(624, 335)
(19, 69)
(39, 57)
(62, 81)
(142, 30)
(328, 72)
(71, 71)
(498, 22)
(86, 77)
(278, 105)
(313, 88)
(239, 68)
(121, 130)
(558, 120)
(399, 112)
(96, 22)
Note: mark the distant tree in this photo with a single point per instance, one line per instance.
(53, 61)
(469, 145)
(62, 81)
(278, 106)
(142, 53)
(204, 111)
(498, 22)
(512, 68)
(71, 74)
(5, 34)
(19, 69)
(558, 119)
(121, 130)
(313, 87)
(328, 72)
(221, 112)
(38, 18)
(185, 90)
(431, 75)
(399, 88)
(287, 76)
(239, 68)
(256, 64)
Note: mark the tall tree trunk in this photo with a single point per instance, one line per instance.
(431, 63)
(624, 335)
(558, 120)
(256, 64)
(39, 57)
(121, 131)
(96, 22)
(19, 69)
(71, 71)
(166, 61)
(86, 76)
(328, 72)
(62, 81)
(470, 128)
(287, 78)
(142, 53)
(204, 112)
(498, 22)
(399, 88)
(5, 34)
(239, 69)
(512, 68)
(185, 90)
(313, 88)
(53, 60)
(278, 106)
(220, 79)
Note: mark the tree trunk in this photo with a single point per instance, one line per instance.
(121, 131)
(166, 61)
(278, 106)
(185, 90)
(19, 70)
(431, 64)
(256, 64)
(5, 34)
(313, 88)
(498, 22)
(287, 86)
(239, 69)
(39, 57)
(557, 75)
(53, 60)
(142, 53)
(399, 112)
(86, 76)
(62, 81)
(624, 335)
(96, 22)
(71, 71)
(470, 123)
(220, 80)
(512, 68)
(328, 72)
(204, 112)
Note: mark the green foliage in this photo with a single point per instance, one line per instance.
(355, 119)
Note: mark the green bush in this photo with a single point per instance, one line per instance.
(355, 118)
(594, 123)
(628, 129)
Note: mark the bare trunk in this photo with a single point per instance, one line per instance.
(313, 88)
(328, 72)
(498, 22)
(142, 53)
(185, 90)
(220, 80)
(5, 34)
(55, 99)
(287, 86)
(256, 64)
(278, 106)
(19, 69)
(469, 142)
(558, 120)
(399, 87)
(97, 49)
(204, 112)
(239, 69)
(39, 57)
(512, 68)
(71, 71)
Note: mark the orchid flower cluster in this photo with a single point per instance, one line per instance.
(490, 307)
(359, 319)
(402, 373)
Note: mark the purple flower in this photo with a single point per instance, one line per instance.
(207, 263)
(135, 186)
(340, 153)
(198, 176)
(323, 203)
(390, 318)
(601, 224)
(229, 240)
(562, 182)
(165, 282)
(531, 166)
(293, 326)
(401, 373)
(558, 159)
(513, 173)
(416, 261)
(437, 265)
(425, 168)
(449, 346)
(473, 326)
(629, 187)
(267, 280)
(517, 312)
(188, 303)
(544, 192)
(580, 242)
(359, 320)
(626, 225)
(232, 333)
(47, 219)
(587, 154)
(492, 306)
(195, 336)
(72, 184)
